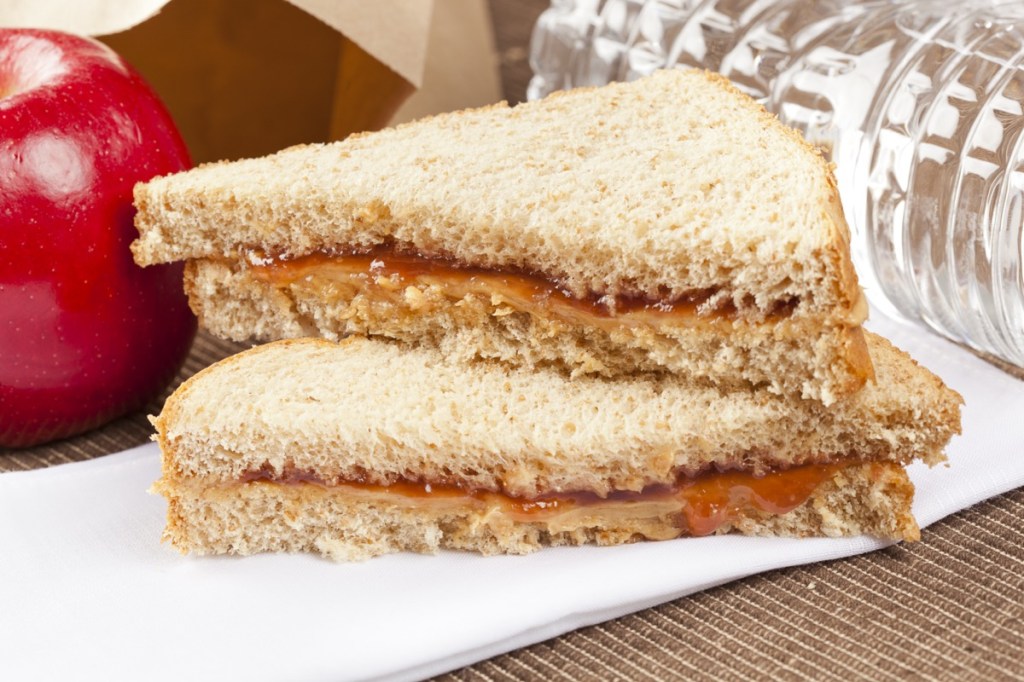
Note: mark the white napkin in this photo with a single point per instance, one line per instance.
(88, 592)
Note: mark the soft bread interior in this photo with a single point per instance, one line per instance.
(871, 499)
(483, 317)
(376, 411)
(670, 184)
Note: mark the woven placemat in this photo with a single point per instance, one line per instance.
(950, 607)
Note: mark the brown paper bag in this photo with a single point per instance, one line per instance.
(248, 77)
(247, 83)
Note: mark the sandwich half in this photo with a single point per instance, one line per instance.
(364, 447)
(670, 224)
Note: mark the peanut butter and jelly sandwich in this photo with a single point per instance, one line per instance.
(670, 225)
(364, 447)
(615, 314)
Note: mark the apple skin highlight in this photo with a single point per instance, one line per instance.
(86, 335)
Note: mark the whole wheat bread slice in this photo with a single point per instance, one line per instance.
(377, 413)
(669, 188)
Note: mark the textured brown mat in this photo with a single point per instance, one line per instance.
(948, 608)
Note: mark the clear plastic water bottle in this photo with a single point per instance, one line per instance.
(920, 103)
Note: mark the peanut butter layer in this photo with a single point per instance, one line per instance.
(699, 505)
(385, 273)
(354, 522)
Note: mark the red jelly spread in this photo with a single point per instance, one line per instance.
(704, 502)
(404, 267)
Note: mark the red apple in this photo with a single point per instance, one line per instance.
(85, 334)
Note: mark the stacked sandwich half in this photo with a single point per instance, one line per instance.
(616, 314)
